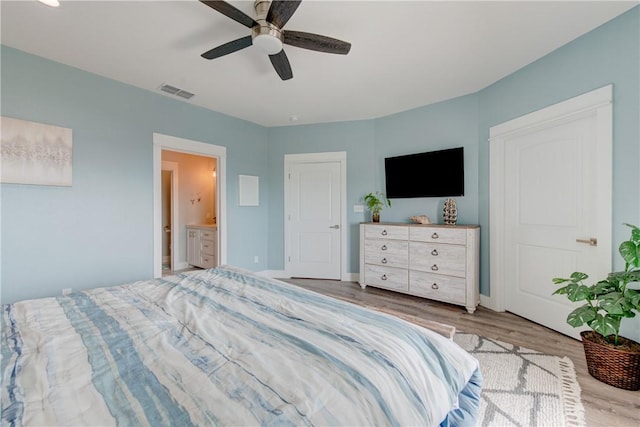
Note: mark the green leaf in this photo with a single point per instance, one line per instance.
(563, 290)
(618, 277)
(614, 304)
(629, 252)
(635, 233)
(581, 315)
(604, 287)
(605, 325)
(558, 280)
(579, 293)
(577, 276)
(633, 297)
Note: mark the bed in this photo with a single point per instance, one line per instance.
(226, 347)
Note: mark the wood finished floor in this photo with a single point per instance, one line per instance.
(604, 405)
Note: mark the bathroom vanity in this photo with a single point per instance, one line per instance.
(202, 245)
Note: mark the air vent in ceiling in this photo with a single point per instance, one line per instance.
(176, 91)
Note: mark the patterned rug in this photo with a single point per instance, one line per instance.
(523, 387)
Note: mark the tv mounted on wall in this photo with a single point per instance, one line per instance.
(430, 174)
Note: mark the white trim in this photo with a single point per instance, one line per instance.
(166, 142)
(175, 220)
(581, 104)
(282, 274)
(597, 102)
(336, 156)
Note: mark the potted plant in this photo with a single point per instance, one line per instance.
(375, 203)
(612, 359)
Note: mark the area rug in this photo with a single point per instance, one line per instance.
(523, 387)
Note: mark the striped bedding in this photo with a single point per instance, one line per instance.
(225, 347)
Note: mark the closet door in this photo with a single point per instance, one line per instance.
(555, 187)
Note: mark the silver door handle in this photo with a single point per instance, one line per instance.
(335, 226)
(591, 241)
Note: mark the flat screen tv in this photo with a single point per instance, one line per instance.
(430, 174)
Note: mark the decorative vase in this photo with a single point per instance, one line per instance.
(450, 212)
(375, 216)
(613, 366)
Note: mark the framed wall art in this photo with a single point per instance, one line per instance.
(35, 153)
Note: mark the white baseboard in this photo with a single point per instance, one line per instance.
(181, 265)
(351, 277)
(281, 274)
(274, 274)
(488, 302)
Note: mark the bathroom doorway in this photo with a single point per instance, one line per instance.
(193, 204)
(198, 197)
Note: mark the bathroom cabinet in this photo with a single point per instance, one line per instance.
(202, 244)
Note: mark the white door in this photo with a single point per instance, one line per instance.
(557, 213)
(314, 218)
(173, 197)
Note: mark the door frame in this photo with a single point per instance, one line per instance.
(597, 102)
(174, 219)
(172, 143)
(293, 159)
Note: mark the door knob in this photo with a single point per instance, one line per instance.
(335, 226)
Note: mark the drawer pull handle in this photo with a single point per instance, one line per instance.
(435, 286)
(384, 277)
(434, 252)
(384, 232)
(434, 267)
(384, 247)
(434, 236)
(384, 260)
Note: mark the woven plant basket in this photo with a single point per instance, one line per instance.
(610, 365)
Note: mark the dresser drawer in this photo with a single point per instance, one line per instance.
(207, 247)
(437, 258)
(386, 232)
(438, 287)
(394, 253)
(396, 279)
(455, 236)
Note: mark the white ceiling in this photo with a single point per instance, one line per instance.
(404, 54)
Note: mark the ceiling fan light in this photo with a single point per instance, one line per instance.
(268, 44)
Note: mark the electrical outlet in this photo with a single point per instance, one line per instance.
(358, 208)
(66, 291)
(256, 259)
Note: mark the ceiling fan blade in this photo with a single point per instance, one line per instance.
(316, 42)
(228, 10)
(227, 48)
(281, 11)
(281, 64)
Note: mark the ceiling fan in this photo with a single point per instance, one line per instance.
(268, 35)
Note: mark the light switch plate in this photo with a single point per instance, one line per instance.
(358, 208)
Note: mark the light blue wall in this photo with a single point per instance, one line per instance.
(356, 139)
(112, 160)
(446, 124)
(609, 54)
(367, 143)
(99, 231)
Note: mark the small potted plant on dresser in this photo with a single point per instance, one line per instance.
(612, 359)
(375, 203)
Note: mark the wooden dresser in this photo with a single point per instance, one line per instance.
(439, 262)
